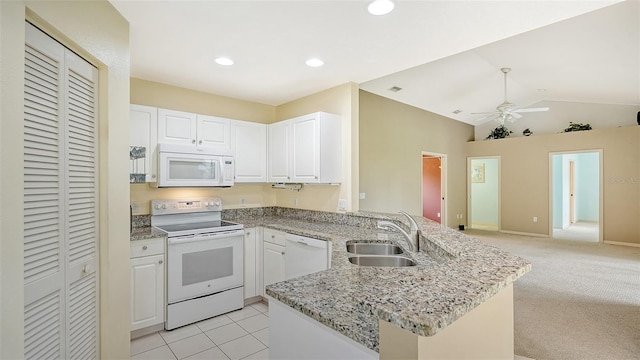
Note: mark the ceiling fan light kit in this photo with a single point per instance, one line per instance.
(507, 111)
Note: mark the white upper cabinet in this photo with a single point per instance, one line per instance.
(250, 148)
(143, 139)
(213, 132)
(201, 131)
(306, 149)
(176, 127)
(279, 151)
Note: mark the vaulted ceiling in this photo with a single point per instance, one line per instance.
(445, 55)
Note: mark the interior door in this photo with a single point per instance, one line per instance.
(572, 191)
(60, 201)
(432, 188)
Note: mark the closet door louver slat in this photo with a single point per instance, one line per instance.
(60, 202)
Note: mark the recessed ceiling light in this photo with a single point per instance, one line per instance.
(314, 62)
(380, 7)
(224, 61)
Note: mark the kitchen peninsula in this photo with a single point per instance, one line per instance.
(460, 292)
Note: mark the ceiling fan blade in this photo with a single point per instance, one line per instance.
(532, 110)
(487, 118)
(514, 114)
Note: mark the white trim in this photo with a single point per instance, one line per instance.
(621, 243)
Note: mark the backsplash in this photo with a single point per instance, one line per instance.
(363, 219)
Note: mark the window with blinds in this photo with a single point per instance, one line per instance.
(60, 201)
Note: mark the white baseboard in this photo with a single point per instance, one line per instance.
(621, 243)
(524, 233)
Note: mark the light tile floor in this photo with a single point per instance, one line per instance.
(242, 334)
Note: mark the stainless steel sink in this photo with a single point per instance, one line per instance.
(391, 260)
(374, 249)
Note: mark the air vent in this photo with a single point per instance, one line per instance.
(457, 111)
(395, 89)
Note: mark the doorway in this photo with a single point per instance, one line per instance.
(576, 195)
(484, 193)
(433, 186)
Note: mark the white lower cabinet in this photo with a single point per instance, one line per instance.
(147, 283)
(273, 256)
(253, 262)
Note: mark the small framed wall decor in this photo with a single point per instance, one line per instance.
(477, 173)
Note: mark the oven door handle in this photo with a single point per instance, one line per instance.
(203, 237)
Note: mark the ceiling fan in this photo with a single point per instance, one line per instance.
(507, 111)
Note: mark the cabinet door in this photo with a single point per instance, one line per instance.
(305, 150)
(279, 150)
(176, 127)
(250, 141)
(213, 133)
(147, 291)
(273, 270)
(250, 255)
(143, 140)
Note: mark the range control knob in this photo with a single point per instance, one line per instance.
(216, 202)
(206, 204)
(156, 206)
(164, 206)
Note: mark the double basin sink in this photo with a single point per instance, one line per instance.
(378, 254)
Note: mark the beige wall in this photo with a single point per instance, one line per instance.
(392, 138)
(525, 178)
(341, 100)
(155, 94)
(96, 31)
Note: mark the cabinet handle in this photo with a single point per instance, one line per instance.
(144, 247)
(160, 262)
(248, 234)
(193, 141)
(282, 253)
(273, 236)
(200, 142)
(153, 176)
(316, 177)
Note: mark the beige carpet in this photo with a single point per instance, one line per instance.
(580, 301)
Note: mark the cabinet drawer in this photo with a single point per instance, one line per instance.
(147, 247)
(275, 236)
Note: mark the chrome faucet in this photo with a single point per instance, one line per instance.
(388, 225)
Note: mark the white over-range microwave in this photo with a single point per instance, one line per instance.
(184, 166)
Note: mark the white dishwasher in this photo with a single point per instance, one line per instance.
(306, 255)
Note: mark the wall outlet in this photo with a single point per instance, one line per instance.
(535, 219)
(438, 214)
(134, 207)
(363, 196)
(295, 202)
(342, 205)
(242, 201)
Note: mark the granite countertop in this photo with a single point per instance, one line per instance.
(456, 274)
(145, 232)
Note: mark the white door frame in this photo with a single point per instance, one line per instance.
(600, 187)
(443, 184)
(469, 212)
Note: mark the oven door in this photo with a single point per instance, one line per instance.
(204, 264)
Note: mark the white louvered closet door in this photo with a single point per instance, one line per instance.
(60, 202)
